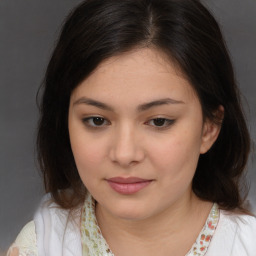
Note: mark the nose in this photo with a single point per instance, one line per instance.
(126, 147)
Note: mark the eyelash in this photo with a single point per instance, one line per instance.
(167, 122)
(87, 120)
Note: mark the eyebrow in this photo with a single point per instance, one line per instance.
(140, 108)
(94, 103)
(156, 103)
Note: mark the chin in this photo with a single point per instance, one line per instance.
(130, 212)
(125, 207)
(131, 215)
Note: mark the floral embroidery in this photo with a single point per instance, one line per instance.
(94, 244)
(202, 243)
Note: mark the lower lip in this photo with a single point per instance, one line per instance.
(128, 188)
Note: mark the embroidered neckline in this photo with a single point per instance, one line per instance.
(94, 244)
(199, 248)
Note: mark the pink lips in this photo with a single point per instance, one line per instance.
(129, 185)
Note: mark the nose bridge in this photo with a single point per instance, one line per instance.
(126, 148)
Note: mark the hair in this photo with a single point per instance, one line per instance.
(186, 32)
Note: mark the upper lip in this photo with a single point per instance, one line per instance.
(128, 180)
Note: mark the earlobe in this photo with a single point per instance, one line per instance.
(211, 130)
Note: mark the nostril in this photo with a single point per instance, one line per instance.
(126, 156)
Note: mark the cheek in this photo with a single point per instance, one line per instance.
(178, 155)
(88, 153)
(88, 159)
(85, 156)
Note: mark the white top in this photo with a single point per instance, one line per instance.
(54, 232)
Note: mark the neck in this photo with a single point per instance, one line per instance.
(169, 225)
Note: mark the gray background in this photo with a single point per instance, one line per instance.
(28, 30)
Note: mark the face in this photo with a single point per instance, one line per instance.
(136, 130)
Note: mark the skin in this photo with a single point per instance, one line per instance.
(165, 217)
(14, 252)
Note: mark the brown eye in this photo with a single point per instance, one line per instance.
(98, 121)
(159, 121)
(95, 121)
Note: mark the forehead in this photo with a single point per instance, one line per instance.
(149, 59)
(137, 75)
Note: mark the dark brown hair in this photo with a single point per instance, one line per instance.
(189, 35)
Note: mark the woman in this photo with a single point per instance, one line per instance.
(142, 141)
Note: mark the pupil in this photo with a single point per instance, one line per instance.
(159, 121)
(98, 120)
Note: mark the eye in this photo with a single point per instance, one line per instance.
(160, 122)
(95, 121)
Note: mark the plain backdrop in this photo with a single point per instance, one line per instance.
(28, 31)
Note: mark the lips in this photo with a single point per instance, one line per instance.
(128, 185)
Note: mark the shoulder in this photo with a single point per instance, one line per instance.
(25, 243)
(27, 235)
(235, 235)
(57, 229)
(245, 232)
(242, 223)
(50, 218)
(54, 232)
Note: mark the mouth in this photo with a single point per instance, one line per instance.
(128, 186)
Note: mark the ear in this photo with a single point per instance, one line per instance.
(211, 130)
